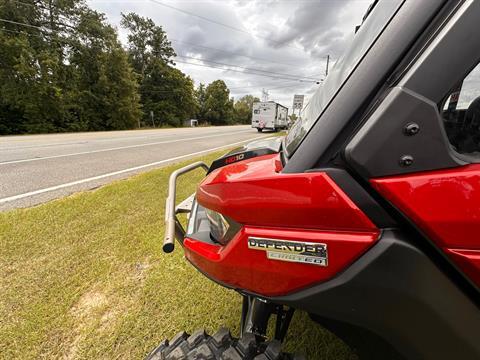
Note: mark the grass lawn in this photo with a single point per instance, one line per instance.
(84, 277)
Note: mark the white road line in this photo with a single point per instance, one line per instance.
(112, 149)
(99, 177)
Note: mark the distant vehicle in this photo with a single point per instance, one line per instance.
(269, 115)
(191, 123)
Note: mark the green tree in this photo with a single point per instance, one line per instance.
(106, 85)
(218, 105)
(200, 98)
(168, 93)
(244, 108)
(164, 90)
(65, 72)
(147, 43)
(29, 79)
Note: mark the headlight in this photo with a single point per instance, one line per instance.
(211, 225)
(218, 225)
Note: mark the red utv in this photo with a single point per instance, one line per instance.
(367, 215)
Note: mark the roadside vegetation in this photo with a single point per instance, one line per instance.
(84, 277)
(63, 68)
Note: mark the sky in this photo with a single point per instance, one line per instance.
(288, 40)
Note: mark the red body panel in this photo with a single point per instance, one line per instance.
(469, 261)
(243, 268)
(253, 192)
(307, 207)
(446, 206)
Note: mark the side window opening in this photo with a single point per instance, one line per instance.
(461, 114)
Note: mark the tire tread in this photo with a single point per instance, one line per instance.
(220, 346)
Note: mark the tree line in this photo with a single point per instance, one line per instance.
(63, 68)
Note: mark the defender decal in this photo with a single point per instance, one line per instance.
(292, 251)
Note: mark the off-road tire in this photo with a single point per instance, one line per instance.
(221, 346)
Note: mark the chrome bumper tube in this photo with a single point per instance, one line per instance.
(173, 229)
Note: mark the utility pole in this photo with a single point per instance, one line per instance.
(264, 95)
(152, 114)
(328, 64)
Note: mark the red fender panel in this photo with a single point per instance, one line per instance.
(242, 268)
(306, 207)
(444, 204)
(253, 192)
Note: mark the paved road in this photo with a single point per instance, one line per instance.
(39, 168)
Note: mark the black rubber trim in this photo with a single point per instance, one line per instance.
(399, 294)
(365, 344)
(360, 197)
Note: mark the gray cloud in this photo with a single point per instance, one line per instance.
(289, 37)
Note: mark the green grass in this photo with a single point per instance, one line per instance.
(84, 277)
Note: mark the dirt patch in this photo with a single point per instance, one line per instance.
(89, 303)
(84, 312)
(141, 270)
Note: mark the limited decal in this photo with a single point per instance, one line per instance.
(292, 251)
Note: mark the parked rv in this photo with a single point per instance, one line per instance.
(269, 115)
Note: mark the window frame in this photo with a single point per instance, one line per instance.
(374, 150)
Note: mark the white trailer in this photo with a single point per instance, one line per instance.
(269, 115)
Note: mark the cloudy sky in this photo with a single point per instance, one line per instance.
(288, 40)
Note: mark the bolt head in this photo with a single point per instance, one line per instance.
(406, 160)
(411, 129)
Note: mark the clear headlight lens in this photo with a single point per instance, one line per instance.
(218, 225)
(205, 221)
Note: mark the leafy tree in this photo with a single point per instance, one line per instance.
(106, 85)
(244, 108)
(28, 93)
(164, 90)
(168, 93)
(65, 72)
(200, 98)
(147, 43)
(218, 105)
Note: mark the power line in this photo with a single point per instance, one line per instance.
(256, 86)
(22, 3)
(249, 69)
(289, 83)
(272, 88)
(284, 87)
(23, 24)
(21, 32)
(243, 72)
(221, 24)
(239, 54)
(230, 52)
